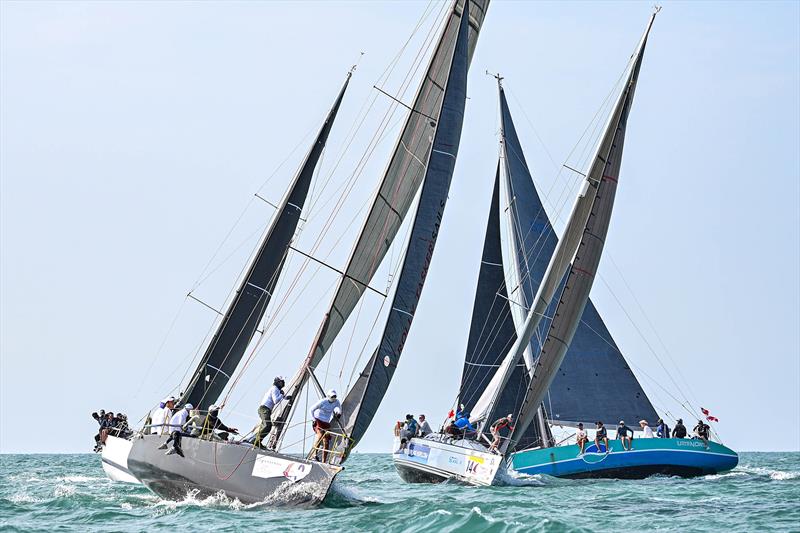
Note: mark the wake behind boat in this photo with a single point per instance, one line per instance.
(560, 352)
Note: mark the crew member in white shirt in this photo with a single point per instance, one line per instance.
(648, 433)
(322, 414)
(176, 423)
(273, 397)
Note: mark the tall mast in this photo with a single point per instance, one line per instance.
(580, 276)
(399, 185)
(241, 319)
(573, 238)
(362, 401)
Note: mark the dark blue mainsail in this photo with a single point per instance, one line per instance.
(594, 381)
(242, 317)
(492, 331)
(366, 394)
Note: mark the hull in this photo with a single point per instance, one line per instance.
(434, 461)
(115, 460)
(238, 471)
(672, 457)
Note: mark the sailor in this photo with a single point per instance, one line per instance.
(701, 431)
(680, 430)
(625, 434)
(601, 435)
(662, 430)
(194, 425)
(648, 432)
(272, 398)
(176, 424)
(581, 438)
(462, 425)
(159, 417)
(99, 419)
(322, 414)
(495, 428)
(424, 427)
(212, 423)
(408, 431)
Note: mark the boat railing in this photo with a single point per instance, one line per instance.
(331, 448)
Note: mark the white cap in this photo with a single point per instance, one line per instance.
(188, 407)
(332, 393)
(213, 407)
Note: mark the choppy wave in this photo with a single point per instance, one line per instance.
(71, 493)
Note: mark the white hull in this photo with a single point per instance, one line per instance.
(115, 460)
(428, 460)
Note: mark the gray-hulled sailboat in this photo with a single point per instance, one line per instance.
(563, 351)
(424, 156)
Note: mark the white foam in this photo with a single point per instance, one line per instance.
(777, 475)
(64, 491)
(25, 498)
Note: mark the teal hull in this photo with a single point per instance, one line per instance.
(674, 457)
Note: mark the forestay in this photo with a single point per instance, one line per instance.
(240, 321)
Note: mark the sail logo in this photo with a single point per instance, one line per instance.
(268, 467)
(416, 450)
(422, 275)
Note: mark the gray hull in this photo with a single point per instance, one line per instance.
(238, 471)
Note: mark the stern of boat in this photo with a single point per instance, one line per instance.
(114, 459)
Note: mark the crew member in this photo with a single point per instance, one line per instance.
(662, 430)
(581, 438)
(625, 434)
(701, 431)
(408, 430)
(680, 430)
(424, 427)
(495, 428)
(176, 423)
(213, 424)
(272, 398)
(601, 435)
(648, 432)
(322, 414)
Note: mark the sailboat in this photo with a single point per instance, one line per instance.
(422, 162)
(561, 351)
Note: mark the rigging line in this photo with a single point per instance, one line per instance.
(647, 343)
(653, 328)
(289, 338)
(614, 347)
(160, 348)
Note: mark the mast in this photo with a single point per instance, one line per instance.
(362, 401)
(580, 276)
(399, 186)
(564, 253)
(241, 319)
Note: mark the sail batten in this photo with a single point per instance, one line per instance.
(574, 294)
(401, 182)
(362, 400)
(240, 321)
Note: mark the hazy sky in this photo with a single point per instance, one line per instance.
(133, 135)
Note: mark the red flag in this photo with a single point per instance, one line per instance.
(712, 418)
(450, 414)
(705, 411)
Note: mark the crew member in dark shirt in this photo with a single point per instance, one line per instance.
(680, 430)
(214, 423)
(601, 435)
(625, 434)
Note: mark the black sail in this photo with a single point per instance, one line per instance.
(492, 331)
(594, 365)
(245, 312)
(365, 396)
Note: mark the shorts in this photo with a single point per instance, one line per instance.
(319, 424)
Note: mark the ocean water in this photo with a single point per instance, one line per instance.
(71, 493)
